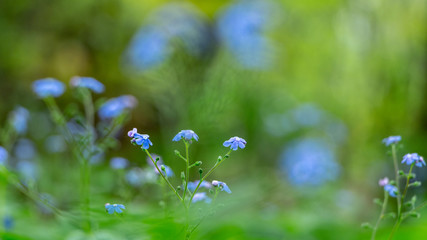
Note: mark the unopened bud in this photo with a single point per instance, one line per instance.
(182, 175)
(177, 153)
(178, 188)
(198, 163)
(414, 214)
(215, 183)
(227, 156)
(163, 168)
(415, 184)
(200, 170)
(412, 176)
(401, 173)
(219, 158)
(157, 159)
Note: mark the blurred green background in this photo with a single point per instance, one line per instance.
(338, 77)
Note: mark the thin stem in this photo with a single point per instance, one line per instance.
(407, 182)
(163, 176)
(207, 175)
(381, 215)
(187, 169)
(396, 172)
(421, 205)
(88, 106)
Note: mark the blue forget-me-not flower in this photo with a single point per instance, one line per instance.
(222, 185)
(116, 106)
(87, 82)
(187, 135)
(392, 190)
(3, 155)
(392, 140)
(111, 208)
(235, 143)
(201, 197)
(48, 87)
(140, 139)
(413, 158)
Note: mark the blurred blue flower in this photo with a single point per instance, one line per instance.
(119, 163)
(3, 155)
(48, 87)
(135, 177)
(201, 197)
(87, 82)
(235, 143)
(222, 185)
(308, 115)
(148, 48)
(19, 119)
(187, 135)
(309, 162)
(111, 208)
(192, 185)
(24, 149)
(46, 200)
(116, 106)
(392, 140)
(411, 158)
(27, 170)
(55, 144)
(8, 222)
(242, 26)
(392, 190)
(172, 24)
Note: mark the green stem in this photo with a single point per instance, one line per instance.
(396, 172)
(381, 215)
(187, 168)
(421, 205)
(163, 176)
(407, 182)
(207, 175)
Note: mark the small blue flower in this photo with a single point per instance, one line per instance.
(383, 182)
(87, 82)
(187, 135)
(222, 185)
(132, 132)
(411, 158)
(3, 155)
(111, 208)
(392, 190)
(48, 87)
(19, 119)
(392, 140)
(140, 139)
(116, 106)
(192, 185)
(201, 197)
(235, 143)
(119, 163)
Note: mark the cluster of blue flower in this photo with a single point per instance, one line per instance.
(392, 188)
(50, 87)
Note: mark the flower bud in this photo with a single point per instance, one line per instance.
(177, 153)
(198, 163)
(178, 188)
(182, 176)
(415, 184)
(414, 214)
(227, 156)
(200, 170)
(163, 168)
(412, 176)
(215, 183)
(157, 159)
(219, 158)
(401, 173)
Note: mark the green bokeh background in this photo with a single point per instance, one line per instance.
(363, 62)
